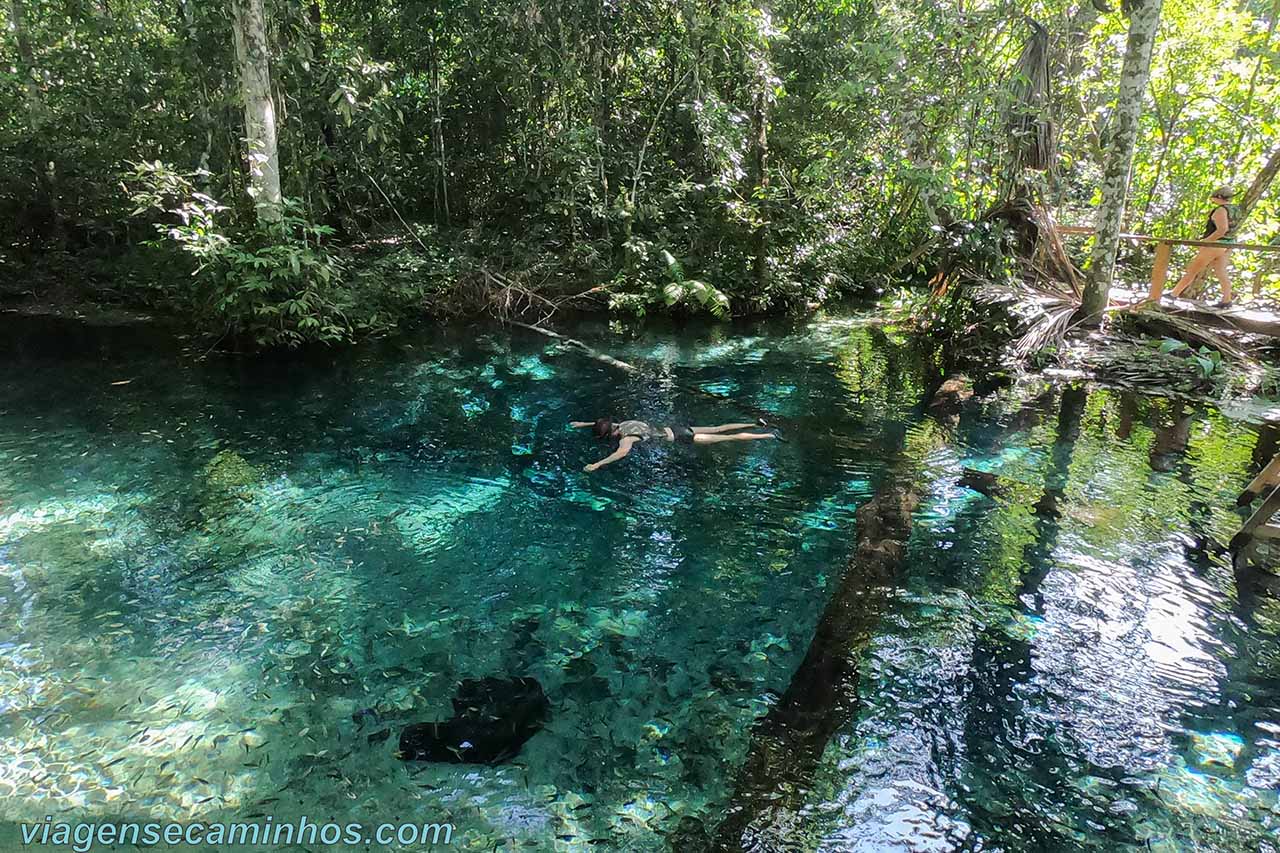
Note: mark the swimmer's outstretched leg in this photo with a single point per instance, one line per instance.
(712, 430)
(716, 438)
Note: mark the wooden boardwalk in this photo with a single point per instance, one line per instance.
(1240, 317)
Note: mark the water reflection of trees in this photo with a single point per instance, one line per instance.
(1061, 718)
(1125, 647)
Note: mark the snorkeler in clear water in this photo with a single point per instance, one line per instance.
(631, 432)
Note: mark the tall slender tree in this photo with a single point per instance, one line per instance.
(27, 68)
(253, 58)
(42, 161)
(762, 72)
(1257, 189)
(1144, 21)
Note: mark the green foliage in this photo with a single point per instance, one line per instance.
(1208, 362)
(688, 290)
(666, 286)
(572, 144)
(276, 283)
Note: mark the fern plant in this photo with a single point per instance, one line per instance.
(691, 291)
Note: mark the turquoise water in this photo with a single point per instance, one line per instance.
(208, 567)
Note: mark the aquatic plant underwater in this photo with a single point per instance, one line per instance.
(227, 590)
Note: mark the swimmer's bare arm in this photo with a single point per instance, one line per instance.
(581, 424)
(624, 447)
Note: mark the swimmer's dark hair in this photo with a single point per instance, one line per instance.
(603, 428)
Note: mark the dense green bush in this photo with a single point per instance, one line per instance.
(273, 283)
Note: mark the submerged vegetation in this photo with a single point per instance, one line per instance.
(993, 622)
(290, 171)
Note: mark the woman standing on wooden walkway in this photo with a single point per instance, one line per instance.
(1221, 221)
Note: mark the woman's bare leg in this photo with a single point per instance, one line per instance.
(1220, 266)
(716, 438)
(1196, 290)
(1198, 265)
(722, 428)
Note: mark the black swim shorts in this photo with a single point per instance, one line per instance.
(683, 434)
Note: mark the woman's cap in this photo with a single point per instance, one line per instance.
(1224, 192)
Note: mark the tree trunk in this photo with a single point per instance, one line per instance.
(1257, 190)
(437, 122)
(328, 135)
(760, 163)
(601, 63)
(27, 69)
(48, 208)
(250, 33)
(1144, 21)
(192, 31)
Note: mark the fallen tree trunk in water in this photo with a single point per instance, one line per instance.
(822, 698)
(574, 342)
(823, 695)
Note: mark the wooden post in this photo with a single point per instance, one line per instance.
(1160, 272)
(1263, 513)
(1242, 545)
(1268, 476)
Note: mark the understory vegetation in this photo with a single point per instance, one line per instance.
(294, 171)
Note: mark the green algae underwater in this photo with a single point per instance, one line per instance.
(226, 585)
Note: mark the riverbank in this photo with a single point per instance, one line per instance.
(1160, 367)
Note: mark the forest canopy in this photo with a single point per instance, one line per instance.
(653, 154)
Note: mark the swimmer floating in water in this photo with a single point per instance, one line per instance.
(630, 433)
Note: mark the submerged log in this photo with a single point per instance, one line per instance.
(788, 743)
(822, 698)
(983, 482)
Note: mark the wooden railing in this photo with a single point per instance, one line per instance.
(1164, 247)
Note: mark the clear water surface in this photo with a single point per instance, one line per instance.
(208, 569)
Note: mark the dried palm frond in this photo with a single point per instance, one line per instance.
(1051, 253)
(1050, 329)
(1029, 130)
(1192, 330)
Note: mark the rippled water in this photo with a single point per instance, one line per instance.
(208, 570)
